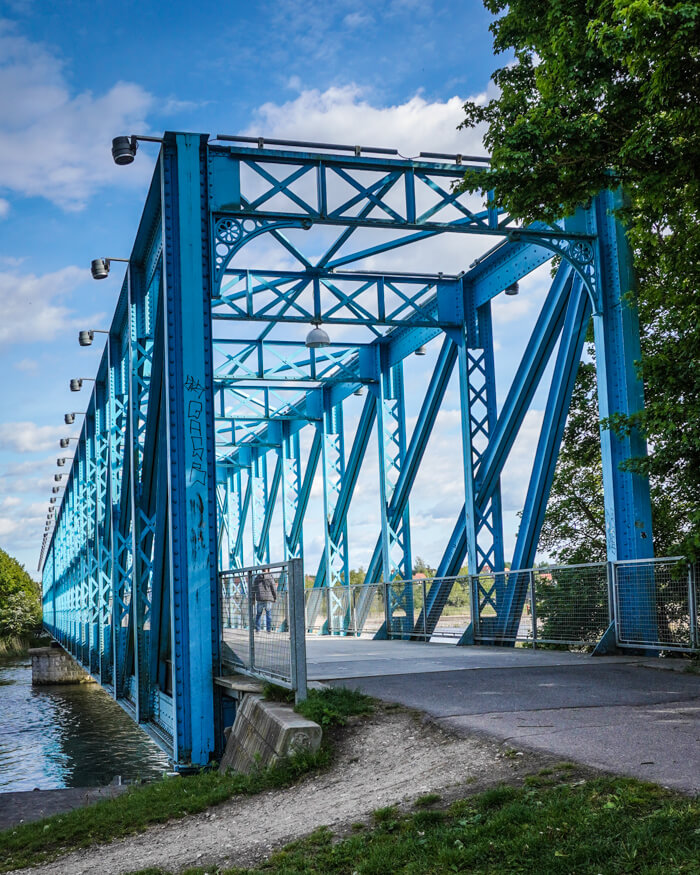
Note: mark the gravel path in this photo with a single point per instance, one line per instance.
(393, 757)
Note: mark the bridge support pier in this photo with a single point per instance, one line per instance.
(53, 665)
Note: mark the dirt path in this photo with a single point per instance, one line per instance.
(392, 757)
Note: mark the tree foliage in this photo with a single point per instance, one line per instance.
(20, 606)
(604, 93)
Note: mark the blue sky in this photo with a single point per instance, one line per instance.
(75, 74)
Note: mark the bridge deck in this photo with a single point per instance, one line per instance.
(335, 658)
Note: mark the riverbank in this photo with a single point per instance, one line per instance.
(403, 795)
(19, 645)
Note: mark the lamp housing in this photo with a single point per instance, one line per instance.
(512, 289)
(99, 268)
(317, 337)
(69, 418)
(124, 150)
(85, 338)
(76, 385)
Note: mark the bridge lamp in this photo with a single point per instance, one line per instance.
(512, 289)
(65, 441)
(69, 418)
(420, 351)
(77, 383)
(359, 391)
(124, 148)
(99, 267)
(85, 338)
(55, 489)
(52, 499)
(57, 477)
(317, 337)
(61, 462)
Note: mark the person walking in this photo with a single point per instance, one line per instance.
(265, 592)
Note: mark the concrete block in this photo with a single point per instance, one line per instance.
(52, 665)
(264, 732)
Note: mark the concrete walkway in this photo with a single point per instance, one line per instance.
(624, 714)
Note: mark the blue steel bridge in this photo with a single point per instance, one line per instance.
(209, 410)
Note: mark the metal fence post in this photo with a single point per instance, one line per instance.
(297, 629)
(533, 608)
(692, 607)
(425, 617)
(474, 605)
(612, 613)
(251, 621)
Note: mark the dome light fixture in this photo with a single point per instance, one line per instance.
(420, 351)
(317, 337)
(512, 289)
(359, 391)
(61, 462)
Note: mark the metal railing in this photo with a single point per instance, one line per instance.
(651, 604)
(262, 638)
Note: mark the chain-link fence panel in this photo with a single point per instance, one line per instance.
(656, 604)
(571, 604)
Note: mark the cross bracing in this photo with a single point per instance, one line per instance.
(211, 420)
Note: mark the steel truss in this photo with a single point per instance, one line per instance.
(206, 410)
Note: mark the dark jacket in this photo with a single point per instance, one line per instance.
(264, 588)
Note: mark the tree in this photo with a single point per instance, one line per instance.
(604, 93)
(20, 604)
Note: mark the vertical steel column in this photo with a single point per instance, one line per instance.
(291, 490)
(222, 518)
(620, 391)
(236, 517)
(259, 500)
(396, 539)
(103, 517)
(191, 448)
(336, 554)
(484, 521)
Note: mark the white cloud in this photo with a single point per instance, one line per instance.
(28, 437)
(4, 208)
(30, 307)
(54, 144)
(29, 366)
(343, 114)
(357, 19)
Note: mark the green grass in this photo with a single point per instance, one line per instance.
(605, 825)
(333, 707)
(142, 806)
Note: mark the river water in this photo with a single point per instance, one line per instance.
(67, 736)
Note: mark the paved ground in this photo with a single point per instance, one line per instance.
(629, 715)
(26, 805)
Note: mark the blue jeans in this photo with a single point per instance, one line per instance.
(259, 608)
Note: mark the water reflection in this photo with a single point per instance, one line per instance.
(67, 736)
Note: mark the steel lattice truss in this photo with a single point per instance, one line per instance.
(206, 397)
